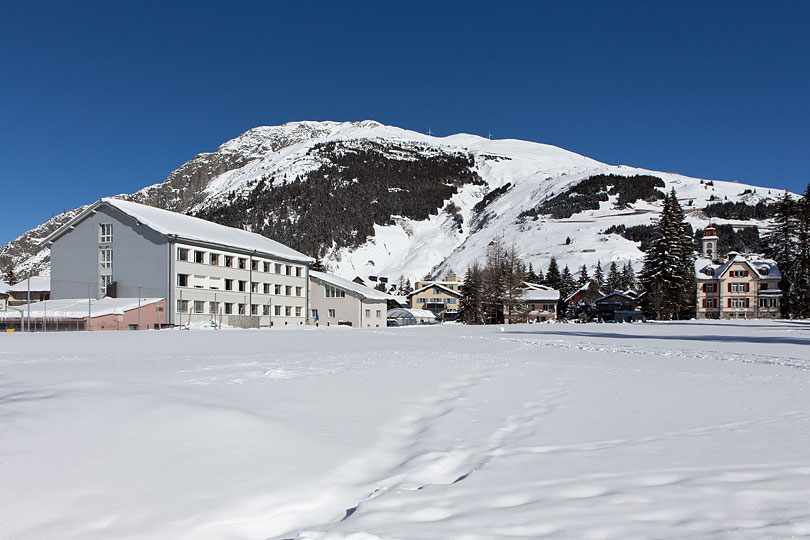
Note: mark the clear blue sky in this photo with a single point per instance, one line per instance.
(108, 97)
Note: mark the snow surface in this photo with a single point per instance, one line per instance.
(37, 283)
(680, 430)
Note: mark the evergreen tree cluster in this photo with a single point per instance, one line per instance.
(789, 245)
(634, 233)
(492, 293)
(337, 205)
(740, 210)
(587, 194)
(668, 274)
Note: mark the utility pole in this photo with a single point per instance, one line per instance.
(28, 317)
(139, 308)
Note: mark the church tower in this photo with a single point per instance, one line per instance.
(709, 243)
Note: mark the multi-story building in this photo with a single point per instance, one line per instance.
(440, 297)
(334, 300)
(739, 287)
(205, 271)
(541, 302)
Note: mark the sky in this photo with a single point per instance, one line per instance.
(101, 98)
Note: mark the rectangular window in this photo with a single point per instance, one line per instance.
(182, 306)
(228, 284)
(105, 233)
(242, 263)
(277, 311)
(289, 269)
(368, 313)
(228, 308)
(288, 311)
(266, 267)
(265, 310)
(254, 287)
(105, 257)
(298, 271)
(242, 285)
(104, 282)
(214, 283)
(254, 309)
(299, 291)
(214, 259)
(334, 292)
(254, 265)
(213, 308)
(277, 289)
(738, 302)
(379, 313)
(711, 302)
(711, 287)
(278, 268)
(199, 306)
(298, 311)
(199, 257)
(314, 313)
(229, 261)
(182, 280)
(331, 313)
(182, 254)
(241, 309)
(288, 290)
(451, 300)
(739, 287)
(266, 288)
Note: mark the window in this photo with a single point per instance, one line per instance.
(254, 265)
(277, 311)
(451, 300)
(242, 263)
(182, 280)
(241, 309)
(288, 290)
(299, 291)
(379, 313)
(182, 254)
(254, 309)
(215, 283)
(105, 233)
(739, 287)
(214, 259)
(104, 282)
(199, 306)
(331, 313)
(368, 313)
(710, 287)
(213, 308)
(289, 270)
(738, 302)
(437, 291)
(278, 268)
(228, 308)
(182, 306)
(288, 311)
(277, 289)
(265, 310)
(764, 270)
(229, 261)
(242, 285)
(266, 288)
(228, 284)
(711, 302)
(298, 311)
(266, 267)
(105, 257)
(199, 282)
(763, 286)
(314, 313)
(254, 287)
(334, 292)
(768, 302)
(298, 271)
(739, 273)
(199, 257)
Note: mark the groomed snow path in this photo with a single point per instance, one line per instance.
(681, 430)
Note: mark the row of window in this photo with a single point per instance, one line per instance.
(741, 302)
(733, 287)
(334, 292)
(421, 300)
(331, 313)
(216, 284)
(231, 261)
(232, 308)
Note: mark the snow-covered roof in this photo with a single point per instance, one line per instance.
(436, 284)
(616, 293)
(38, 283)
(362, 290)
(539, 293)
(4, 287)
(590, 286)
(76, 308)
(705, 269)
(405, 312)
(190, 228)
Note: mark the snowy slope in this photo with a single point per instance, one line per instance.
(414, 248)
(679, 430)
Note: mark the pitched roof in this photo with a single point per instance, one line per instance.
(587, 287)
(419, 313)
(438, 285)
(362, 290)
(38, 283)
(756, 264)
(540, 293)
(76, 308)
(190, 228)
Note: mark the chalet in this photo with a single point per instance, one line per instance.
(541, 302)
(618, 307)
(588, 293)
(205, 271)
(35, 288)
(440, 297)
(739, 287)
(334, 300)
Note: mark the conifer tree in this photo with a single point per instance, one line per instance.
(801, 270)
(472, 295)
(531, 277)
(614, 279)
(583, 278)
(567, 283)
(782, 246)
(9, 276)
(599, 276)
(628, 277)
(553, 274)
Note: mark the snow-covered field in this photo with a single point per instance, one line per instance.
(682, 430)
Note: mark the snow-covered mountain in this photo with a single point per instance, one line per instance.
(371, 199)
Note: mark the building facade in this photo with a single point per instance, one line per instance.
(541, 302)
(337, 301)
(205, 271)
(35, 288)
(739, 287)
(440, 297)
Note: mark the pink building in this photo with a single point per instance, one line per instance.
(82, 314)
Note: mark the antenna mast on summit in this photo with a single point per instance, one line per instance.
(430, 133)
(490, 135)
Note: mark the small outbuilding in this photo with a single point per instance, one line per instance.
(411, 316)
(86, 313)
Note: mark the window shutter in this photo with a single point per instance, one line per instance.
(704, 300)
(729, 302)
(747, 285)
(747, 303)
(745, 273)
(704, 287)
(729, 288)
